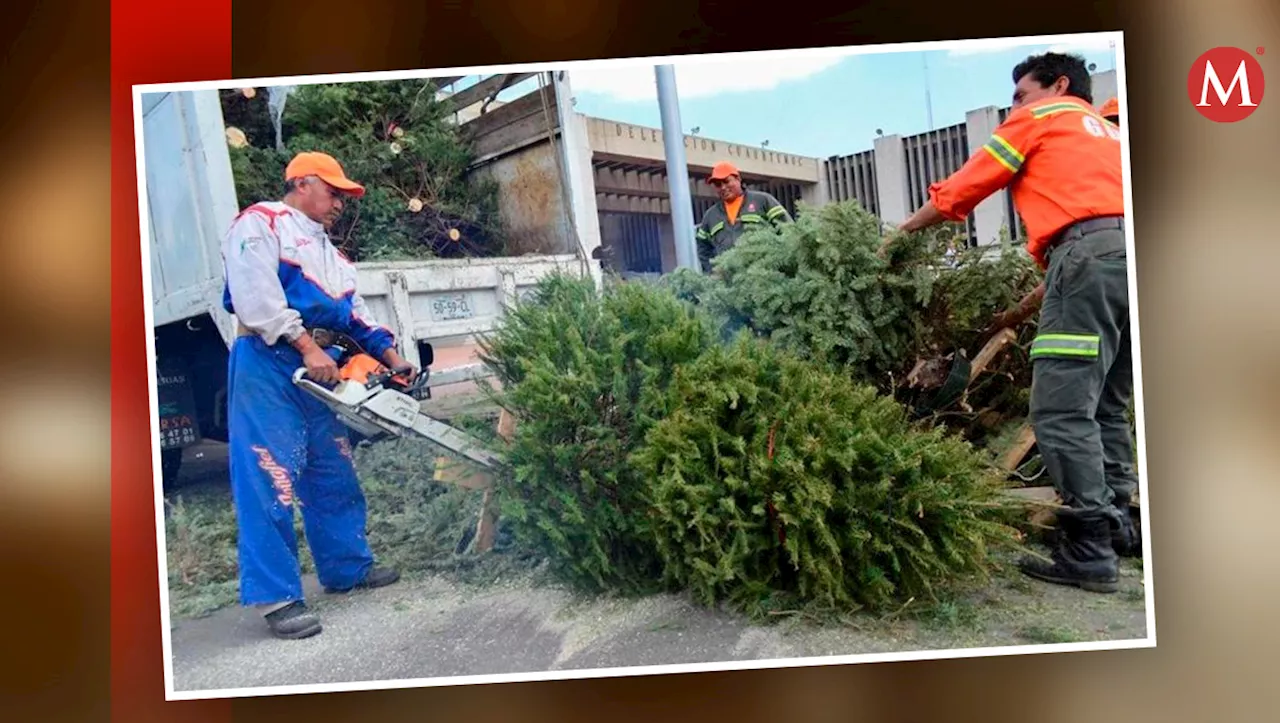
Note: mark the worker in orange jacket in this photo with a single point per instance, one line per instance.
(1029, 304)
(1060, 160)
(740, 210)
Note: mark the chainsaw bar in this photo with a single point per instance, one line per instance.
(375, 409)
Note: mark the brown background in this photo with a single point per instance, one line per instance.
(1206, 262)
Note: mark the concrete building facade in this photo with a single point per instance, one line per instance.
(628, 170)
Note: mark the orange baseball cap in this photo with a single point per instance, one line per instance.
(326, 168)
(1110, 109)
(723, 170)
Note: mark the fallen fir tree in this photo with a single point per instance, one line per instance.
(772, 475)
(649, 454)
(819, 288)
(584, 376)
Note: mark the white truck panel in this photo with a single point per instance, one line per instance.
(190, 202)
(450, 300)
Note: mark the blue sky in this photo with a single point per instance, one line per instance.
(818, 105)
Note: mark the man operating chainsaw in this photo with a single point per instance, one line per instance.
(1061, 161)
(288, 285)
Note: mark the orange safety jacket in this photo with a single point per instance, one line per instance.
(1060, 160)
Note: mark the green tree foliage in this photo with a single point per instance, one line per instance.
(649, 454)
(396, 139)
(584, 375)
(819, 288)
(772, 475)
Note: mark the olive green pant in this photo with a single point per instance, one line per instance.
(1082, 377)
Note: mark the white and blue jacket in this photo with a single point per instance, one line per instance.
(284, 276)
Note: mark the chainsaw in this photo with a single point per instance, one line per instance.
(377, 402)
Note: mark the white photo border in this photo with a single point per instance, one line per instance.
(1117, 37)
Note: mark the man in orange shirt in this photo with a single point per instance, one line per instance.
(738, 212)
(1061, 162)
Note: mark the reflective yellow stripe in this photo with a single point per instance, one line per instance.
(1081, 345)
(1062, 351)
(751, 218)
(716, 229)
(1004, 153)
(702, 233)
(776, 211)
(1045, 111)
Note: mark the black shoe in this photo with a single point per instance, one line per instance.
(1083, 556)
(293, 622)
(1125, 539)
(377, 577)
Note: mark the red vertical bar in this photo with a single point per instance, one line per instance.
(151, 41)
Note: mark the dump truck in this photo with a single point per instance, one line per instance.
(539, 159)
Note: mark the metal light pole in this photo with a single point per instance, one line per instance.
(928, 96)
(677, 168)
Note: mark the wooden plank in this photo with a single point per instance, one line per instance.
(1042, 495)
(989, 352)
(1042, 503)
(450, 471)
(487, 525)
(1025, 441)
(460, 474)
(490, 86)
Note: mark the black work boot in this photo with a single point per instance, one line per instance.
(1083, 556)
(1125, 539)
(293, 622)
(376, 577)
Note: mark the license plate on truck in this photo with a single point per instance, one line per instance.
(177, 431)
(451, 307)
(178, 422)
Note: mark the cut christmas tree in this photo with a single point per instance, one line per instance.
(773, 477)
(648, 454)
(897, 321)
(584, 375)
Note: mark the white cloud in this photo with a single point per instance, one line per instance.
(1084, 44)
(702, 78)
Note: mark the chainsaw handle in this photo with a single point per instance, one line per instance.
(419, 383)
(395, 379)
